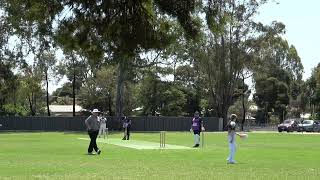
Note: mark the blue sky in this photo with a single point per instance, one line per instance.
(302, 27)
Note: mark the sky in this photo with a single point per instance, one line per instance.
(301, 18)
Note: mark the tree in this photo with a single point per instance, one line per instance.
(225, 50)
(169, 98)
(275, 58)
(150, 90)
(120, 29)
(172, 101)
(47, 62)
(272, 96)
(313, 90)
(106, 79)
(242, 92)
(7, 85)
(74, 71)
(63, 95)
(77, 69)
(30, 90)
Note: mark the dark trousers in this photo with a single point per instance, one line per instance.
(127, 133)
(197, 132)
(93, 144)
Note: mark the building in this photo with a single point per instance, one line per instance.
(65, 110)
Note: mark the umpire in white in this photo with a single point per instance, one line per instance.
(103, 125)
(93, 125)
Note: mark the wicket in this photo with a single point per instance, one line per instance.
(162, 139)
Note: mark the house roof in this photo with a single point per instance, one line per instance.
(64, 108)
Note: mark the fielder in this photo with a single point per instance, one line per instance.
(196, 127)
(232, 138)
(103, 125)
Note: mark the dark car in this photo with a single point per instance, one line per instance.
(289, 125)
(309, 126)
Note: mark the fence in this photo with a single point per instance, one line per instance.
(77, 123)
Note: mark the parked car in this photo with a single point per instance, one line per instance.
(289, 125)
(309, 126)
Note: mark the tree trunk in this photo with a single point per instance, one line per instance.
(224, 115)
(34, 104)
(120, 92)
(74, 89)
(47, 82)
(109, 104)
(244, 113)
(266, 114)
(243, 104)
(154, 99)
(222, 104)
(31, 106)
(174, 70)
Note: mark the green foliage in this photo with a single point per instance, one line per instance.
(315, 116)
(172, 102)
(224, 53)
(276, 56)
(116, 30)
(106, 43)
(313, 90)
(272, 96)
(9, 95)
(31, 94)
(7, 82)
(193, 99)
(237, 108)
(150, 90)
(14, 110)
(278, 60)
(65, 90)
(99, 91)
(155, 94)
(182, 10)
(162, 97)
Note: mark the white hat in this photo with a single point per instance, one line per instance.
(95, 111)
(233, 116)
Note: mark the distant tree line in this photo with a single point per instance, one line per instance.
(144, 57)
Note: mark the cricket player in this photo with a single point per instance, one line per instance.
(103, 125)
(93, 125)
(126, 127)
(196, 127)
(232, 138)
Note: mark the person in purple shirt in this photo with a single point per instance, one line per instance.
(196, 127)
(126, 127)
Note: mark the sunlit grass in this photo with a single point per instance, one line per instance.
(63, 156)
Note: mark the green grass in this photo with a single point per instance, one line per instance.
(63, 156)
